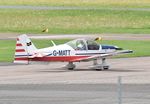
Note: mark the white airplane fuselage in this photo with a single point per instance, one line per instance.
(66, 53)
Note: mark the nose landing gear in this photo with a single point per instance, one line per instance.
(102, 66)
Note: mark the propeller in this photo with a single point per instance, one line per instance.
(45, 30)
(98, 38)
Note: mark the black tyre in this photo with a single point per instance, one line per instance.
(70, 68)
(98, 69)
(106, 67)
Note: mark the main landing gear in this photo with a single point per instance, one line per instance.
(102, 66)
(71, 66)
(96, 66)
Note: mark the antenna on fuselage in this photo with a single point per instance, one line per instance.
(53, 43)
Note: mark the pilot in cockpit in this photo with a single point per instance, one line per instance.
(92, 45)
(80, 45)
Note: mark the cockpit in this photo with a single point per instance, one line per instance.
(83, 44)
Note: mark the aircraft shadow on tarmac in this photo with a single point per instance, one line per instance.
(124, 70)
(59, 70)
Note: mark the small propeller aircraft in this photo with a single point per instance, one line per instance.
(78, 50)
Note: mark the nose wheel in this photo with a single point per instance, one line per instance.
(71, 66)
(102, 66)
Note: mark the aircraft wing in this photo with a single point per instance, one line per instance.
(103, 55)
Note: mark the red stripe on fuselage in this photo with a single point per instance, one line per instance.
(58, 58)
(20, 50)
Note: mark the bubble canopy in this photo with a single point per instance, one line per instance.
(83, 44)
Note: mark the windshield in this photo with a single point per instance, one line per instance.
(79, 44)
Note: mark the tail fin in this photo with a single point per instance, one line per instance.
(24, 48)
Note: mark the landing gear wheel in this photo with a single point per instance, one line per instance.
(105, 67)
(71, 66)
(102, 66)
(98, 69)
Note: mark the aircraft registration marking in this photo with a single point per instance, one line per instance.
(61, 53)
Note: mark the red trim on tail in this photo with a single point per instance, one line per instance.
(18, 44)
(20, 50)
(24, 58)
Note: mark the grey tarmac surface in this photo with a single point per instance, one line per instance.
(73, 94)
(70, 8)
(133, 70)
(53, 84)
(12, 36)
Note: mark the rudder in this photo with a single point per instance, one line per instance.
(24, 49)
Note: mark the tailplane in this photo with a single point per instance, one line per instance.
(24, 49)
